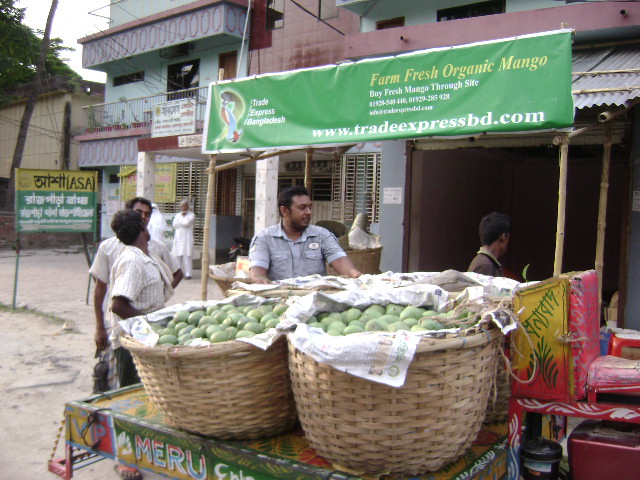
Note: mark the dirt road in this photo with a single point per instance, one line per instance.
(48, 357)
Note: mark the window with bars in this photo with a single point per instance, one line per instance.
(321, 190)
(356, 188)
(353, 188)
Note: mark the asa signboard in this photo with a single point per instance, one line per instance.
(511, 85)
(55, 200)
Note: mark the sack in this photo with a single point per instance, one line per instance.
(100, 373)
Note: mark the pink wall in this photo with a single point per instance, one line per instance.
(304, 41)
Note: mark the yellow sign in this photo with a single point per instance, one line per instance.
(165, 183)
(539, 358)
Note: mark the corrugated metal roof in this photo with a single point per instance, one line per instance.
(617, 81)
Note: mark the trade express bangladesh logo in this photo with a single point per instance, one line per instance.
(231, 109)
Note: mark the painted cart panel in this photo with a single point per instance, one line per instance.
(539, 360)
(126, 427)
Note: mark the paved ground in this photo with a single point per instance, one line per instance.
(47, 358)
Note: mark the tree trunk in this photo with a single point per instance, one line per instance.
(29, 108)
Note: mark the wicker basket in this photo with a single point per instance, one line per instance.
(225, 282)
(337, 228)
(419, 427)
(230, 390)
(366, 260)
(498, 405)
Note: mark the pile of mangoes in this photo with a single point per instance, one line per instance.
(219, 323)
(389, 318)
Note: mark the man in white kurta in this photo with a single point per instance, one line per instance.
(183, 224)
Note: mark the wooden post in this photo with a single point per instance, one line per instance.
(602, 209)
(307, 169)
(562, 203)
(211, 195)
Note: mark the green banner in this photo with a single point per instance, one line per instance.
(512, 85)
(55, 200)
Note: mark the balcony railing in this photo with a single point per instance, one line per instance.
(138, 112)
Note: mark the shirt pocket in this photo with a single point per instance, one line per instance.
(314, 262)
(280, 266)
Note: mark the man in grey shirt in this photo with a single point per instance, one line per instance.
(294, 247)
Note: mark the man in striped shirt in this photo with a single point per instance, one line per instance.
(138, 284)
(101, 269)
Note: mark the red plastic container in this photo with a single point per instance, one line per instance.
(602, 450)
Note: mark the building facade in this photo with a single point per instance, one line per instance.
(173, 50)
(453, 183)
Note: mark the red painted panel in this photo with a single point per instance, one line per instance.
(584, 327)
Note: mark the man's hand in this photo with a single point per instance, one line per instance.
(258, 275)
(102, 339)
(177, 277)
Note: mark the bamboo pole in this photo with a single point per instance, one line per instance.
(562, 203)
(607, 72)
(211, 195)
(608, 89)
(261, 156)
(211, 189)
(307, 169)
(602, 209)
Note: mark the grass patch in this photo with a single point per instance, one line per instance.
(8, 308)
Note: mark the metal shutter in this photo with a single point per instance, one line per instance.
(356, 187)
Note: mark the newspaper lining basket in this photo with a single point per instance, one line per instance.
(230, 390)
(283, 292)
(428, 422)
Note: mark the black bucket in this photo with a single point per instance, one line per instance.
(540, 459)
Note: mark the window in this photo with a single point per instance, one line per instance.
(129, 78)
(356, 188)
(391, 23)
(228, 61)
(181, 76)
(321, 188)
(472, 10)
(275, 14)
(327, 9)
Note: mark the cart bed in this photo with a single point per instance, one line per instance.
(124, 425)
